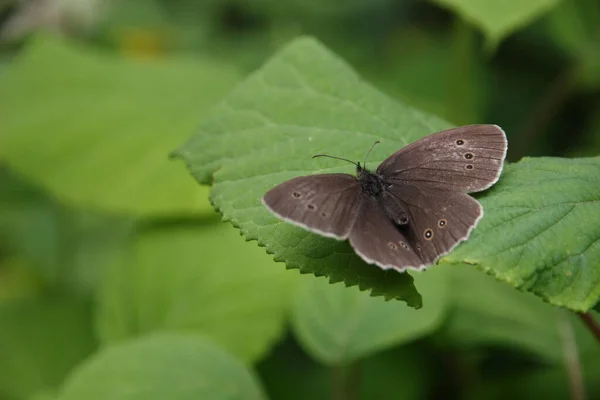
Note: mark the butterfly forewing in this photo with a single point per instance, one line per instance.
(326, 204)
(438, 219)
(465, 159)
(377, 240)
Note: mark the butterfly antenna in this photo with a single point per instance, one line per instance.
(337, 158)
(369, 152)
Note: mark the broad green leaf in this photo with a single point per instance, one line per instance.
(304, 101)
(95, 130)
(486, 312)
(337, 325)
(196, 276)
(41, 339)
(159, 367)
(498, 18)
(543, 219)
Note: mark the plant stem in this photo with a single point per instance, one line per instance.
(346, 381)
(592, 324)
(571, 355)
(461, 69)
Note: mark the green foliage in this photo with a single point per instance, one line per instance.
(162, 366)
(491, 313)
(574, 26)
(37, 229)
(303, 101)
(498, 18)
(338, 326)
(41, 339)
(108, 121)
(531, 235)
(435, 74)
(118, 281)
(382, 375)
(196, 276)
(542, 222)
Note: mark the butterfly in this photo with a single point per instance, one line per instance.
(413, 209)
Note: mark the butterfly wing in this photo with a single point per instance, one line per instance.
(326, 204)
(377, 240)
(466, 159)
(438, 220)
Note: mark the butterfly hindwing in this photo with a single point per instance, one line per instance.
(437, 219)
(326, 204)
(377, 240)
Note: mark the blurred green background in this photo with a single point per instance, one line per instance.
(118, 280)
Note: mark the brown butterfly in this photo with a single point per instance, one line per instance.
(412, 210)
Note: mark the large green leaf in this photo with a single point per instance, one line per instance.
(197, 276)
(541, 232)
(498, 18)
(304, 101)
(159, 367)
(337, 325)
(95, 129)
(41, 339)
(487, 312)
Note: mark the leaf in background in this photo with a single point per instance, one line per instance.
(498, 18)
(62, 247)
(16, 281)
(543, 221)
(575, 26)
(302, 102)
(159, 367)
(41, 339)
(337, 325)
(197, 277)
(487, 312)
(44, 395)
(95, 130)
(29, 225)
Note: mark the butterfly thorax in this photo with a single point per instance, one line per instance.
(370, 182)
